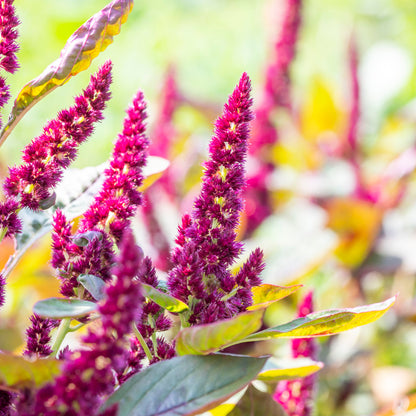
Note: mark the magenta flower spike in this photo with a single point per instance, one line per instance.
(2, 290)
(119, 197)
(49, 154)
(296, 396)
(38, 337)
(89, 375)
(207, 244)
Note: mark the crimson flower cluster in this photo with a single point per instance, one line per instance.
(296, 395)
(207, 245)
(38, 337)
(89, 375)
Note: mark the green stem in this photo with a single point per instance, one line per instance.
(184, 322)
(142, 343)
(61, 334)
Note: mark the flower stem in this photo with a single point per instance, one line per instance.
(142, 343)
(62, 331)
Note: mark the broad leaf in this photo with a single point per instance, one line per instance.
(264, 295)
(185, 385)
(17, 372)
(325, 322)
(257, 403)
(164, 300)
(81, 48)
(208, 338)
(59, 308)
(155, 166)
(94, 284)
(276, 370)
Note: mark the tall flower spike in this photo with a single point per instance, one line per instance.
(50, 153)
(8, 46)
(119, 197)
(207, 245)
(276, 94)
(38, 337)
(296, 396)
(88, 375)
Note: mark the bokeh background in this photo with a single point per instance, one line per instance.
(347, 252)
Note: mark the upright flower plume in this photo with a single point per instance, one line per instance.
(296, 396)
(38, 337)
(88, 376)
(50, 153)
(119, 198)
(276, 94)
(206, 240)
(8, 46)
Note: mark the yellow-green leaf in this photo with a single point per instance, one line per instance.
(17, 372)
(81, 48)
(264, 295)
(325, 322)
(208, 338)
(164, 300)
(276, 370)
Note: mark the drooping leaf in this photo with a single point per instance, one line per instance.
(276, 370)
(325, 322)
(208, 338)
(185, 385)
(164, 300)
(59, 308)
(81, 48)
(257, 403)
(17, 372)
(93, 284)
(265, 294)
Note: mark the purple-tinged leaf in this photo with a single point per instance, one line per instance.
(327, 322)
(185, 385)
(18, 372)
(208, 338)
(81, 48)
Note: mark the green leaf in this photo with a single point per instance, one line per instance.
(325, 322)
(264, 295)
(208, 338)
(276, 370)
(164, 300)
(17, 372)
(81, 48)
(59, 308)
(257, 403)
(185, 385)
(94, 284)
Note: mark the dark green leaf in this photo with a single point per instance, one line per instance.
(17, 372)
(257, 403)
(94, 284)
(59, 308)
(185, 385)
(325, 322)
(208, 338)
(164, 300)
(81, 48)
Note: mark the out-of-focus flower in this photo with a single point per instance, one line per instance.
(296, 396)
(207, 244)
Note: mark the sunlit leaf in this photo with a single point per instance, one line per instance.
(59, 308)
(16, 371)
(265, 294)
(81, 48)
(155, 166)
(256, 403)
(185, 385)
(94, 284)
(288, 369)
(164, 300)
(208, 338)
(325, 322)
